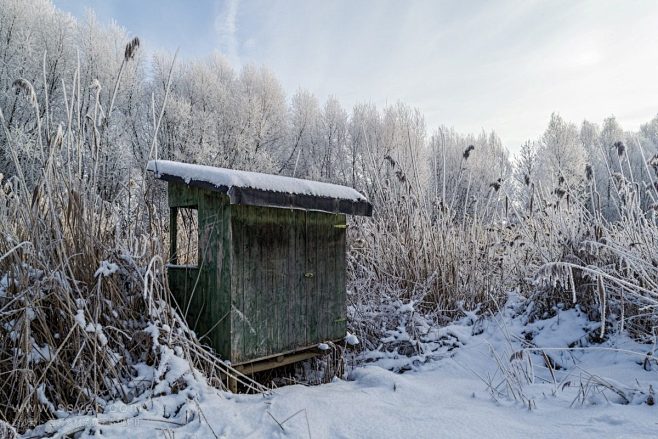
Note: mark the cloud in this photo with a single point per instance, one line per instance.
(226, 27)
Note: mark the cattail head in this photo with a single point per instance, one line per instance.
(620, 148)
(619, 180)
(467, 151)
(131, 49)
(560, 180)
(526, 179)
(560, 192)
(23, 85)
(588, 172)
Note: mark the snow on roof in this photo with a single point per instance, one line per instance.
(255, 188)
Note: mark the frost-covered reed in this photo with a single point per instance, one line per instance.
(83, 293)
(558, 248)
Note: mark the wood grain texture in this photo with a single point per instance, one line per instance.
(269, 280)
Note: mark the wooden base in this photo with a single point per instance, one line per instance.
(281, 360)
(275, 361)
(232, 384)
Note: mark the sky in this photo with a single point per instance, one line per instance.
(471, 65)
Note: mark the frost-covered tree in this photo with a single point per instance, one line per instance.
(467, 171)
(332, 146)
(562, 156)
(403, 146)
(365, 148)
(526, 168)
(296, 154)
(262, 109)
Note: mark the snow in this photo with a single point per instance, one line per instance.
(41, 353)
(106, 269)
(171, 369)
(243, 179)
(351, 339)
(455, 393)
(80, 319)
(98, 330)
(407, 307)
(4, 284)
(41, 395)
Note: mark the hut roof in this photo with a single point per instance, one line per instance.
(256, 189)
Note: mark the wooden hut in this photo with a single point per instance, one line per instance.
(267, 281)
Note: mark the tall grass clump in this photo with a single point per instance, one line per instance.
(558, 248)
(426, 253)
(610, 265)
(83, 296)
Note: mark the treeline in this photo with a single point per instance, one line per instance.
(243, 119)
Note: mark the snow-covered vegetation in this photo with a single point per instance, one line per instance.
(586, 394)
(567, 226)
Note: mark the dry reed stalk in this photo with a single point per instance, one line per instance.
(78, 289)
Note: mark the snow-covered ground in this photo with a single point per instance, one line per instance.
(599, 391)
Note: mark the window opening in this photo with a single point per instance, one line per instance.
(185, 248)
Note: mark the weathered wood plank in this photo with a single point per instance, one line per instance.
(173, 233)
(251, 368)
(253, 295)
(339, 296)
(250, 288)
(260, 295)
(301, 333)
(236, 285)
(181, 195)
(328, 274)
(276, 280)
(313, 276)
(215, 260)
(181, 281)
(240, 277)
(291, 284)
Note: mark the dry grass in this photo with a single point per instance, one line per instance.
(84, 292)
(558, 249)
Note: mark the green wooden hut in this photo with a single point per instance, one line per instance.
(267, 282)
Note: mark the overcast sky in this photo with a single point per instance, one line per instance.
(472, 65)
